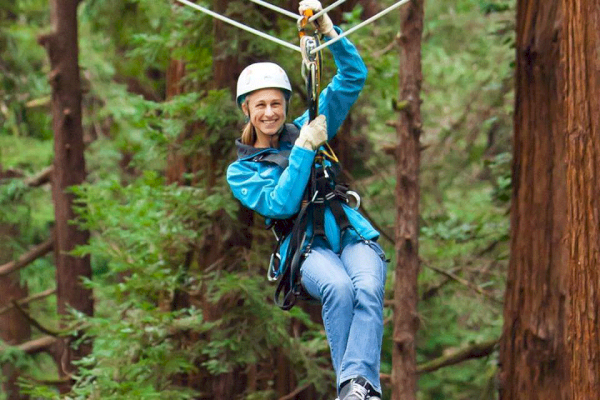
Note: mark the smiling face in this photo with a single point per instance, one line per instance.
(266, 109)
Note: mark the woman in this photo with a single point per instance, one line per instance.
(345, 271)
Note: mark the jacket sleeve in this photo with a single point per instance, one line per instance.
(338, 97)
(267, 192)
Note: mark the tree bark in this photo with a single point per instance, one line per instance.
(408, 130)
(218, 242)
(533, 358)
(69, 166)
(581, 52)
(14, 329)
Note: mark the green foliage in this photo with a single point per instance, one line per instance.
(144, 229)
(13, 356)
(22, 70)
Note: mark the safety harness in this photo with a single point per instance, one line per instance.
(324, 190)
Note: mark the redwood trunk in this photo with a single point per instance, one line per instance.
(533, 358)
(581, 49)
(206, 169)
(406, 321)
(14, 327)
(69, 166)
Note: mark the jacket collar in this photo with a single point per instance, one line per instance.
(289, 134)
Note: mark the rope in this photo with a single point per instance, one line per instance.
(241, 26)
(366, 22)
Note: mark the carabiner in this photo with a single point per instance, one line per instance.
(311, 64)
(271, 273)
(356, 199)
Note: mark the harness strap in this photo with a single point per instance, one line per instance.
(340, 215)
(288, 284)
(322, 191)
(319, 207)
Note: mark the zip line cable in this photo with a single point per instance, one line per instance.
(297, 16)
(281, 10)
(241, 26)
(366, 22)
(278, 9)
(326, 9)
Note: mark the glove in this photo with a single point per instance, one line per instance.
(314, 134)
(323, 23)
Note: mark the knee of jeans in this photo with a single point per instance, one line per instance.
(369, 289)
(339, 291)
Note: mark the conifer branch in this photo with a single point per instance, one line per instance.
(476, 350)
(38, 345)
(35, 322)
(42, 177)
(56, 333)
(29, 299)
(34, 346)
(464, 282)
(36, 252)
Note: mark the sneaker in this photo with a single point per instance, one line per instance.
(374, 397)
(356, 389)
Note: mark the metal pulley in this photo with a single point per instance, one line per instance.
(311, 64)
(311, 72)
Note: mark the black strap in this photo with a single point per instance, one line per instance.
(321, 191)
(319, 206)
(288, 284)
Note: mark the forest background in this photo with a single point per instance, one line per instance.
(182, 306)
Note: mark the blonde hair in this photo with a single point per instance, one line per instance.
(249, 134)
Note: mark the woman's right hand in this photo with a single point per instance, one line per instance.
(314, 134)
(323, 23)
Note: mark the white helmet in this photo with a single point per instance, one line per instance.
(261, 76)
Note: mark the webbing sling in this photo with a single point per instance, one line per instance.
(288, 282)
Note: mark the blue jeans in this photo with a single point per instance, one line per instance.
(350, 288)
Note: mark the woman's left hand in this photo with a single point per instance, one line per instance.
(313, 134)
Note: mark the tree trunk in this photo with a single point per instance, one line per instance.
(218, 242)
(69, 167)
(532, 351)
(406, 320)
(14, 327)
(225, 71)
(581, 51)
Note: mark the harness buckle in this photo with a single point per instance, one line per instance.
(352, 193)
(314, 196)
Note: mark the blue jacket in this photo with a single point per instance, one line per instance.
(275, 189)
